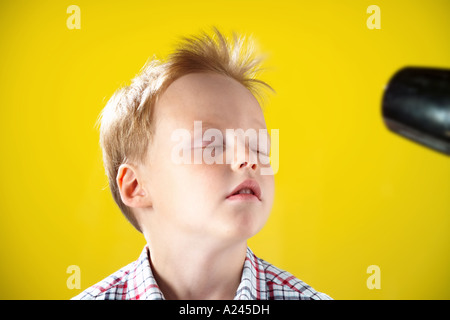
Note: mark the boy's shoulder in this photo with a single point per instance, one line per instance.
(112, 287)
(132, 282)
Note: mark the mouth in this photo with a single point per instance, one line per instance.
(247, 190)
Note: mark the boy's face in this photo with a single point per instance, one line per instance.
(193, 199)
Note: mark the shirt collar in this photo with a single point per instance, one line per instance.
(253, 280)
(251, 287)
(143, 282)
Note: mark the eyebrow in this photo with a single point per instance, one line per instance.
(209, 125)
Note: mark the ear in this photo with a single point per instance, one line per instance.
(131, 189)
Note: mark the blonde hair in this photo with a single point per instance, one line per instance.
(126, 121)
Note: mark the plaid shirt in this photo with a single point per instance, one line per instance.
(260, 281)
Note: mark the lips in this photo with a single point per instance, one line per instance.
(247, 190)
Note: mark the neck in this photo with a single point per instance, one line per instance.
(191, 270)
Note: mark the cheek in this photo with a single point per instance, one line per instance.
(269, 188)
(202, 182)
(188, 186)
(193, 197)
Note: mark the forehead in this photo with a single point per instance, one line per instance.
(218, 100)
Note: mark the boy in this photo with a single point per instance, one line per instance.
(196, 217)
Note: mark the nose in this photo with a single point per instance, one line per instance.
(247, 160)
(252, 166)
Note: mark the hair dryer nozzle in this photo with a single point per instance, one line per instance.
(416, 105)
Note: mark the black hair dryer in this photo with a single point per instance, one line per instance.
(416, 105)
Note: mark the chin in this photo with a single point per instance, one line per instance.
(243, 227)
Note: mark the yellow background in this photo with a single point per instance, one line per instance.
(349, 193)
